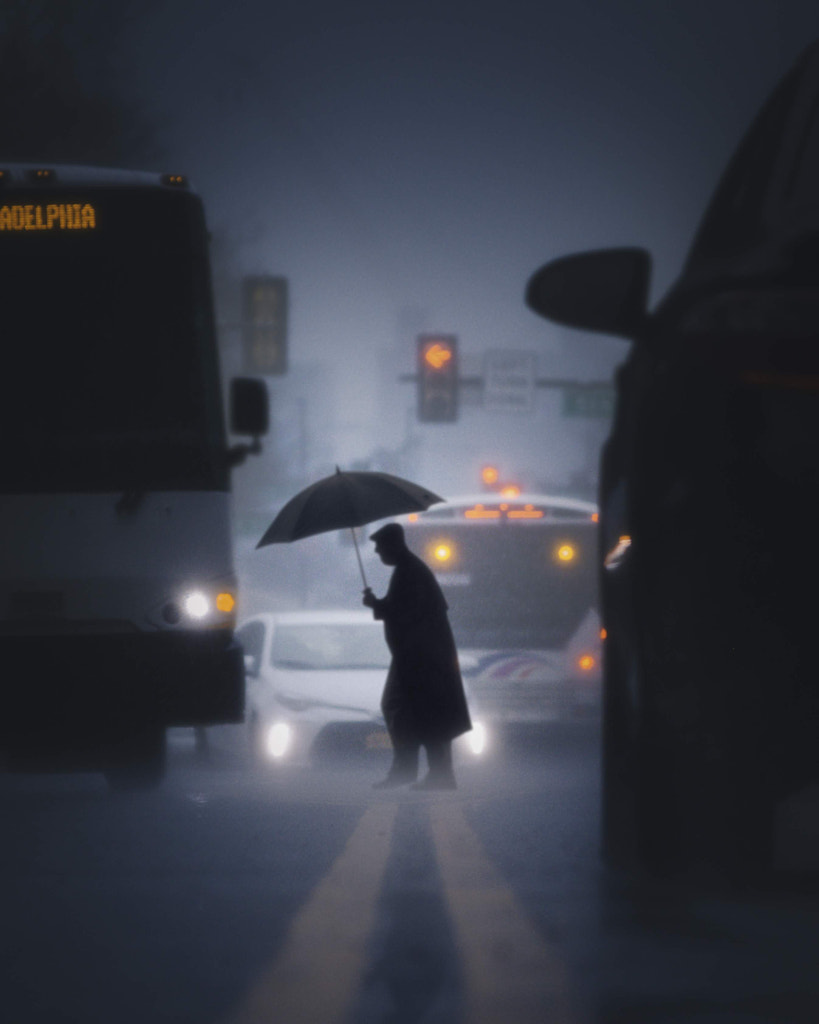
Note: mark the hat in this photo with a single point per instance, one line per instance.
(392, 533)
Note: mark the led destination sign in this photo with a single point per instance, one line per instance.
(48, 217)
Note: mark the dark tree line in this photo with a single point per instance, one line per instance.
(64, 94)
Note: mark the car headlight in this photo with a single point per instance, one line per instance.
(278, 739)
(477, 739)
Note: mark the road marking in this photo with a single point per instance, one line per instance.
(316, 976)
(511, 973)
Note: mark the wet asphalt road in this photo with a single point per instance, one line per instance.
(302, 895)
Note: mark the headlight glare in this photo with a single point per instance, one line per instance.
(441, 553)
(277, 741)
(565, 553)
(477, 738)
(196, 604)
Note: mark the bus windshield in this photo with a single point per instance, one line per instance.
(110, 380)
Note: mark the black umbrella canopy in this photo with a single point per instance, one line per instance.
(346, 500)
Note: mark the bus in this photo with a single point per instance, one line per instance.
(519, 576)
(117, 590)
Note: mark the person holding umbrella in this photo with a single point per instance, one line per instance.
(423, 702)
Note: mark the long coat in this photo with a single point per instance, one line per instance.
(424, 690)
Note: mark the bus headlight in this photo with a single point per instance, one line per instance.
(441, 553)
(206, 606)
(565, 553)
(196, 604)
(214, 607)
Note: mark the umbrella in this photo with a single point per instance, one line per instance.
(346, 500)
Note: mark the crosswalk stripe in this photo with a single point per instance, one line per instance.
(316, 975)
(511, 973)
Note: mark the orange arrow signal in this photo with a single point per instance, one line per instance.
(437, 355)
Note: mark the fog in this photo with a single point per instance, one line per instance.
(407, 168)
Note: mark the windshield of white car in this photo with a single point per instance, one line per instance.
(323, 646)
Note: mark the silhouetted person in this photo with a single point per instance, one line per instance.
(423, 701)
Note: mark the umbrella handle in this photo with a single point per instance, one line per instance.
(358, 556)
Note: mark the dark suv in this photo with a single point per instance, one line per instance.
(709, 494)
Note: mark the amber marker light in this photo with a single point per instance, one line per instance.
(510, 492)
(527, 512)
(225, 602)
(586, 662)
(603, 634)
(489, 475)
(479, 512)
(595, 517)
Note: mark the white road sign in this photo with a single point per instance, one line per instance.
(509, 381)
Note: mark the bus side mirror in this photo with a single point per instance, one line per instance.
(605, 290)
(249, 407)
(249, 416)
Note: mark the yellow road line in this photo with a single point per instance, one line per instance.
(316, 976)
(511, 973)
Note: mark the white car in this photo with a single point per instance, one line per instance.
(313, 684)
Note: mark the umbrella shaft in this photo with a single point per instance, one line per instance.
(358, 556)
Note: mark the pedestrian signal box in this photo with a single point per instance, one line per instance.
(437, 375)
(264, 320)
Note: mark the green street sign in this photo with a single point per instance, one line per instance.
(591, 401)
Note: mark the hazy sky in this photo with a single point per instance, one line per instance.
(427, 157)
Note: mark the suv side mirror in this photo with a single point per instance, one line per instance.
(605, 290)
(249, 407)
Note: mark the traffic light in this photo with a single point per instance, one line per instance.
(264, 319)
(437, 375)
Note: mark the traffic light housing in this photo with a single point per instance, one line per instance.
(264, 319)
(437, 374)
